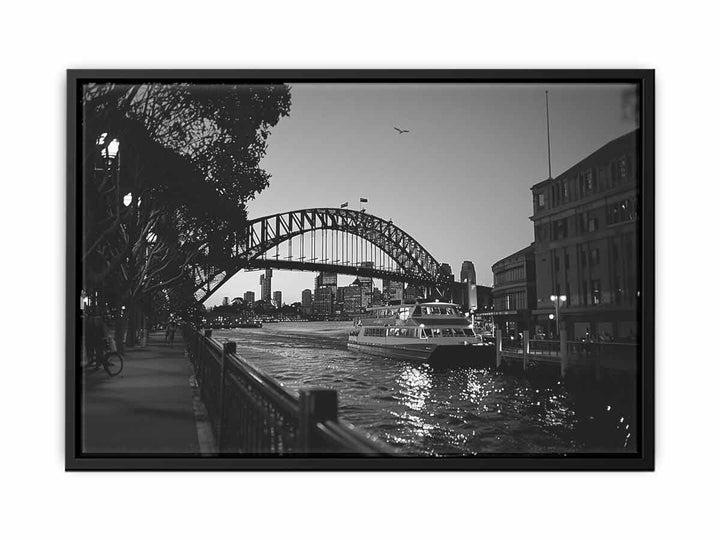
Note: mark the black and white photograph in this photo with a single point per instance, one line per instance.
(378, 268)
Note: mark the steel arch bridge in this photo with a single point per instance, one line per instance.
(327, 240)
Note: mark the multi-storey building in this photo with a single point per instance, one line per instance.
(355, 298)
(306, 303)
(324, 301)
(586, 244)
(277, 298)
(514, 292)
(392, 290)
(249, 298)
(266, 286)
(366, 282)
(467, 292)
(467, 272)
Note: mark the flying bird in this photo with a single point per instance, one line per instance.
(401, 131)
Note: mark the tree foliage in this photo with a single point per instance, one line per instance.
(167, 172)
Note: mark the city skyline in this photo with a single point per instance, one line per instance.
(467, 164)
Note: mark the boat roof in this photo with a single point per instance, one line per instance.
(399, 306)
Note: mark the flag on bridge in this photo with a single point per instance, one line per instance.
(344, 205)
(363, 199)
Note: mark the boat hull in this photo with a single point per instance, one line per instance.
(436, 354)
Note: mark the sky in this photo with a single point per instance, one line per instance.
(459, 182)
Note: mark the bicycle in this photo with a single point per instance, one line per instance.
(111, 361)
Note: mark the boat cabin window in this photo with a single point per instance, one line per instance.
(402, 332)
(439, 310)
(374, 332)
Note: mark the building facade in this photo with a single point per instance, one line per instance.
(306, 301)
(514, 292)
(392, 290)
(249, 298)
(467, 292)
(277, 298)
(324, 301)
(355, 298)
(266, 286)
(586, 244)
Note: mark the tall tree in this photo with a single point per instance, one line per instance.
(168, 170)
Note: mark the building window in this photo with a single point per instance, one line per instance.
(592, 225)
(567, 260)
(595, 290)
(560, 229)
(564, 191)
(540, 201)
(602, 177)
(557, 262)
(587, 182)
(621, 211)
(594, 257)
(583, 258)
(622, 168)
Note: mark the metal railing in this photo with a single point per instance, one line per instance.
(596, 349)
(252, 414)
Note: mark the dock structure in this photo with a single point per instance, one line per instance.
(252, 414)
(598, 357)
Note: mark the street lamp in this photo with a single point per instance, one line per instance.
(558, 301)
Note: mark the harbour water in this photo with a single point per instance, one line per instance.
(424, 410)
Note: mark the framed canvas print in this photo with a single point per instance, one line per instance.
(360, 269)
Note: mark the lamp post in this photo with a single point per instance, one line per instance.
(557, 301)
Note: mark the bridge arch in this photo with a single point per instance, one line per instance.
(414, 264)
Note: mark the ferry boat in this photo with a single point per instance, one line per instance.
(424, 331)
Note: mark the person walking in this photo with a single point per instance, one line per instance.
(170, 330)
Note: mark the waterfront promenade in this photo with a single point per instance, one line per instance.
(149, 408)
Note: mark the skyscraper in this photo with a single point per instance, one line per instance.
(326, 279)
(307, 298)
(266, 286)
(249, 298)
(277, 299)
(467, 273)
(366, 282)
(469, 291)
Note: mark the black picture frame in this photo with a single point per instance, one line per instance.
(643, 460)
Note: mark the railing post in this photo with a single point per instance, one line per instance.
(228, 348)
(498, 347)
(316, 405)
(563, 353)
(526, 348)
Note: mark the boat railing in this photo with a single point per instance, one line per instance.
(251, 413)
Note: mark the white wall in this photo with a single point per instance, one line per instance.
(39, 43)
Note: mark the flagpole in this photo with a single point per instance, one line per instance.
(547, 120)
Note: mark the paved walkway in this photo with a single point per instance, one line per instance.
(147, 409)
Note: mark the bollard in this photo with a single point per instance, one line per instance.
(228, 348)
(498, 347)
(563, 353)
(526, 348)
(316, 405)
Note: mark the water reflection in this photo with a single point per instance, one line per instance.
(415, 384)
(421, 409)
